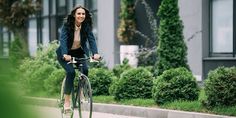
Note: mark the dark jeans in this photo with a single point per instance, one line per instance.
(70, 71)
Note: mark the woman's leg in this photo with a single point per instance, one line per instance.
(85, 68)
(70, 75)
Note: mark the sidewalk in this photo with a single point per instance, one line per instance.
(128, 110)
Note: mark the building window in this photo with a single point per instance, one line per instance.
(6, 38)
(222, 39)
(92, 6)
(45, 25)
(5, 43)
(52, 7)
(32, 36)
(45, 10)
(80, 2)
(45, 31)
(1, 42)
(61, 9)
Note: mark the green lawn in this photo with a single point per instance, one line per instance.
(6, 70)
(178, 105)
(4, 67)
(194, 106)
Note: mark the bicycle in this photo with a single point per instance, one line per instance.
(81, 95)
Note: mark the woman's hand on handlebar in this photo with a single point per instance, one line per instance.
(66, 57)
(96, 57)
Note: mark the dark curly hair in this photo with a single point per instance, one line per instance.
(86, 24)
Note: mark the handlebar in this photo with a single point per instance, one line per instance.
(75, 60)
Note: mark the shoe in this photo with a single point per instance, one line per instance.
(67, 115)
(67, 109)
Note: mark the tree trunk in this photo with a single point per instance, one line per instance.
(21, 34)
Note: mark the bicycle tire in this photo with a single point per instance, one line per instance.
(62, 99)
(85, 101)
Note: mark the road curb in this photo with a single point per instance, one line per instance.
(128, 110)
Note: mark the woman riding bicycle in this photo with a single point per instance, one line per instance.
(75, 33)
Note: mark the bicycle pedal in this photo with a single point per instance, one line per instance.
(60, 103)
(67, 115)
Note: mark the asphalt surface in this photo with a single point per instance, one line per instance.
(51, 112)
(47, 108)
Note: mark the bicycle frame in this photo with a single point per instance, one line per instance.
(83, 89)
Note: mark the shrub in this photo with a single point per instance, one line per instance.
(134, 83)
(47, 54)
(100, 64)
(147, 57)
(53, 83)
(220, 87)
(37, 78)
(113, 86)
(100, 80)
(175, 84)
(33, 71)
(119, 69)
(18, 51)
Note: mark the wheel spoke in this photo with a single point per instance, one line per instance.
(85, 99)
(61, 103)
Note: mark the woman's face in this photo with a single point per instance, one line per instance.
(79, 16)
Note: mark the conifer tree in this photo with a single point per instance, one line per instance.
(172, 50)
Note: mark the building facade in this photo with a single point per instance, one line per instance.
(209, 29)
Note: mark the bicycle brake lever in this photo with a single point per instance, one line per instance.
(72, 60)
(93, 60)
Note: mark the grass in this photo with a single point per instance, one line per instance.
(191, 106)
(197, 107)
(133, 102)
(42, 94)
(5, 69)
(184, 105)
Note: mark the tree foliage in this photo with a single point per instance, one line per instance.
(172, 50)
(127, 25)
(14, 13)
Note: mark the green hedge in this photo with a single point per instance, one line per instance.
(100, 79)
(34, 71)
(175, 84)
(220, 87)
(134, 83)
(18, 51)
(53, 83)
(119, 69)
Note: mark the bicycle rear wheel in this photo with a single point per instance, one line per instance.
(61, 102)
(85, 101)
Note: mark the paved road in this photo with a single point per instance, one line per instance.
(51, 112)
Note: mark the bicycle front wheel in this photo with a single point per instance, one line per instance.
(85, 101)
(61, 102)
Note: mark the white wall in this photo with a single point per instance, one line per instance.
(191, 15)
(106, 31)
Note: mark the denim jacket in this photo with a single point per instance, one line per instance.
(88, 42)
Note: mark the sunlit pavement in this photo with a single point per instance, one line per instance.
(47, 108)
(51, 112)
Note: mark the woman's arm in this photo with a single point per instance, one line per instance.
(92, 42)
(63, 41)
